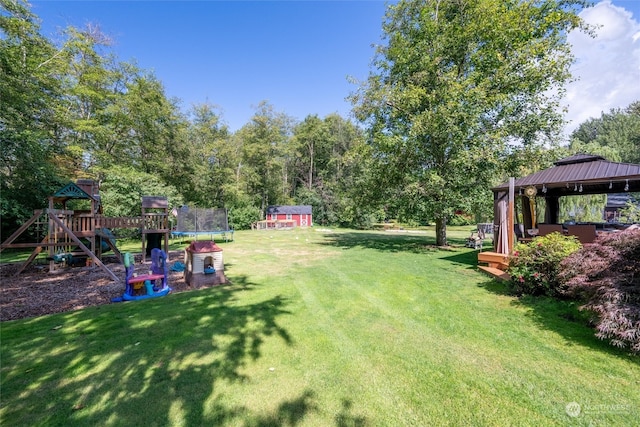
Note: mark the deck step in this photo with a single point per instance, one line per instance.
(493, 257)
(494, 260)
(496, 273)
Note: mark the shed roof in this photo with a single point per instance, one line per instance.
(582, 173)
(293, 210)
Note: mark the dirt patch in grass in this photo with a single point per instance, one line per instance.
(36, 291)
(278, 259)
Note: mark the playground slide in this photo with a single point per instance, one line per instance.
(107, 239)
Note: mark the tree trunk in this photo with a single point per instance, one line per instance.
(441, 231)
(263, 207)
(311, 165)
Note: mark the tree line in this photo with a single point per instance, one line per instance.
(452, 107)
(71, 110)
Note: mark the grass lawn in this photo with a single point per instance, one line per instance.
(321, 328)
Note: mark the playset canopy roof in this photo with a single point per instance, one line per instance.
(72, 191)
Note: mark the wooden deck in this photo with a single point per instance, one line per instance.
(495, 273)
(496, 264)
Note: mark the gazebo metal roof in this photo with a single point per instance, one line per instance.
(581, 174)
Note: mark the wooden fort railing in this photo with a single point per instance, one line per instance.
(119, 222)
(84, 225)
(150, 221)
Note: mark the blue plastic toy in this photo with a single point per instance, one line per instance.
(159, 272)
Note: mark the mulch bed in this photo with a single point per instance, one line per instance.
(36, 291)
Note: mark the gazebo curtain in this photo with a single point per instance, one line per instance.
(503, 229)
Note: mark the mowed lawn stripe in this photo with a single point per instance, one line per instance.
(441, 330)
(337, 345)
(353, 314)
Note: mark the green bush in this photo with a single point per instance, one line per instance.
(458, 219)
(242, 217)
(534, 267)
(630, 213)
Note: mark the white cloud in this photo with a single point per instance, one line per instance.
(607, 67)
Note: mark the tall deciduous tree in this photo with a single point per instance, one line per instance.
(324, 167)
(615, 134)
(154, 124)
(264, 150)
(455, 80)
(88, 80)
(309, 136)
(29, 92)
(212, 160)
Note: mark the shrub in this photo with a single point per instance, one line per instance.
(630, 213)
(242, 217)
(459, 219)
(534, 267)
(606, 276)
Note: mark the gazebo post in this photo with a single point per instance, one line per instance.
(552, 209)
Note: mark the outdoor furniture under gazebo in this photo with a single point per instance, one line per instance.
(544, 229)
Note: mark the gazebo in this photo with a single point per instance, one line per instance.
(580, 174)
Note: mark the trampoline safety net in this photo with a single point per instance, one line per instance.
(197, 220)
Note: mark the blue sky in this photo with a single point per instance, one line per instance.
(297, 55)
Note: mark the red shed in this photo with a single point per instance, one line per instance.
(301, 214)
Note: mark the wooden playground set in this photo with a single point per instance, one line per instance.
(86, 233)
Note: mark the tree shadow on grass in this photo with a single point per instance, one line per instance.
(498, 287)
(561, 316)
(346, 419)
(164, 361)
(469, 258)
(386, 242)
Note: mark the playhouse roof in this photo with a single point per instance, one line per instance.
(594, 174)
(202, 247)
(293, 210)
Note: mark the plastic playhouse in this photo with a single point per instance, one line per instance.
(204, 264)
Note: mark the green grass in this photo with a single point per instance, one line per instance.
(321, 328)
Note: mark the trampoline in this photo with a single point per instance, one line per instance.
(198, 222)
(227, 235)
